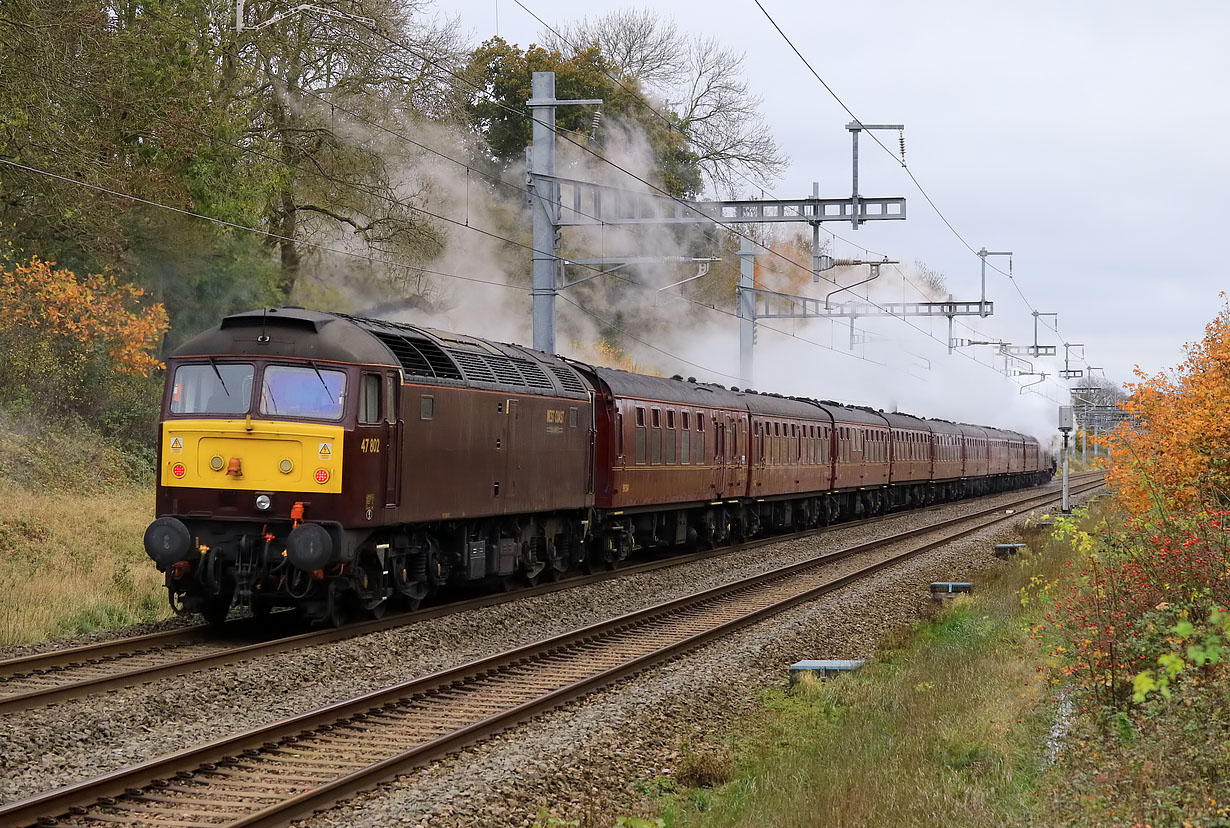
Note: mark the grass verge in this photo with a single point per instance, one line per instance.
(947, 726)
(71, 521)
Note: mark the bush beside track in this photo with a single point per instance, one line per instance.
(78, 411)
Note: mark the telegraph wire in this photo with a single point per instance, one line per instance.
(729, 228)
(258, 231)
(904, 165)
(499, 104)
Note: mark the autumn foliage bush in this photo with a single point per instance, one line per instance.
(80, 348)
(1142, 606)
(1134, 598)
(1172, 457)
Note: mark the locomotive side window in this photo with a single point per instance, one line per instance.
(390, 399)
(292, 391)
(214, 388)
(427, 407)
(572, 418)
(369, 399)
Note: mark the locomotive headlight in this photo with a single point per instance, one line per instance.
(286, 466)
(216, 462)
(263, 503)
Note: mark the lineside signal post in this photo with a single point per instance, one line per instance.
(1065, 425)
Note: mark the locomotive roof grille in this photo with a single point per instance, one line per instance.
(534, 376)
(419, 357)
(475, 367)
(568, 379)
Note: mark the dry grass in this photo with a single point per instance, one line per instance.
(949, 728)
(74, 563)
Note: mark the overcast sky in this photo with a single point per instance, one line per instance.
(1086, 137)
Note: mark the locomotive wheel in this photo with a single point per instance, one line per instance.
(336, 604)
(372, 586)
(215, 609)
(262, 607)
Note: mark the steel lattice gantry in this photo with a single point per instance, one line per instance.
(768, 304)
(585, 204)
(560, 202)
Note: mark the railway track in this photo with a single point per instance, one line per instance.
(42, 679)
(288, 769)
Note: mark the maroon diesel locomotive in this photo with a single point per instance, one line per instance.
(335, 463)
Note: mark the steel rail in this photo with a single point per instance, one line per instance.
(236, 642)
(495, 692)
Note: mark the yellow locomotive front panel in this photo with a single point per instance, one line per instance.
(256, 455)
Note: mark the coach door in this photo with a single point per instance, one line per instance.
(719, 454)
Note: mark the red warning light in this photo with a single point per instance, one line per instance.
(178, 470)
(322, 475)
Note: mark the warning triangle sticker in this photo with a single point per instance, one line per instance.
(326, 449)
(177, 444)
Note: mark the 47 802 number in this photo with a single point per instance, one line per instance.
(370, 445)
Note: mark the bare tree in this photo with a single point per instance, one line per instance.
(932, 280)
(699, 86)
(339, 180)
(639, 42)
(720, 115)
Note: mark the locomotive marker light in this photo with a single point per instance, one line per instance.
(322, 476)
(178, 470)
(263, 503)
(1065, 425)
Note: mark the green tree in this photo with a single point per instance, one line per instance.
(504, 73)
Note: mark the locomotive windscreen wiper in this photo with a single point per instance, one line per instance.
(221, 381)
(322, 382)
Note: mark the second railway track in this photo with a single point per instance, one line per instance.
(285, 770)
(46, 678)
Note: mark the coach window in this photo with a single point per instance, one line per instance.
(369, 399)
(698, 448)
(427, 407)
(640, 435)
(670, 438)
(655, 438)
(619, 434)
(685, 440)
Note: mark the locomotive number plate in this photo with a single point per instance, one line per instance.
(370, 445)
